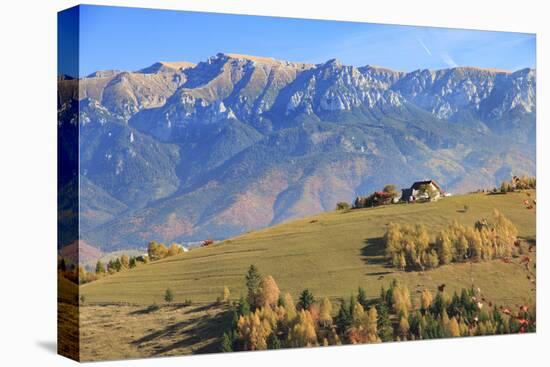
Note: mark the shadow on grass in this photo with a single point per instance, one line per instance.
(206, 328)
(189, 333)
(145, 311)
(374, 253)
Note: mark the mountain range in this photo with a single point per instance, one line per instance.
(183, 152)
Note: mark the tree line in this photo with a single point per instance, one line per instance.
(518, 183)
(387, 196)
(409, 247)
(157, 251)
(79, 275)
(267, 319)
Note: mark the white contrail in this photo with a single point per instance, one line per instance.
(424, 46)
(449, 60)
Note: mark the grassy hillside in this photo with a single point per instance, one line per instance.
(331, 254)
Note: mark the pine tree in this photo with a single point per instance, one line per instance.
(385, 328)
(111, 266)
(99, 267)
(253, 280)
(306, 300)
(243, 308)
(439, 305)
(344, 317)
(118, 264)
(63, 265)
(273, 342)
(226, 344)
(362, 297)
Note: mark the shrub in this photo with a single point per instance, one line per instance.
(168, 296)
(342, 205)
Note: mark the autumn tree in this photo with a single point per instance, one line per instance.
(426, 299)
(371, 326)
(403, 328)
(358, 316)
(453, 327)
(253, 331)
(444, 248)
(226, 294)
(391, 190)
(156, 251)
(325, 312)
(268, 292)
(174, 250)
(125, 262)
(290, 310)
(81, 274)
(303, 333)
(401, 299)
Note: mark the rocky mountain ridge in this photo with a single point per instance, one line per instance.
(179, 152)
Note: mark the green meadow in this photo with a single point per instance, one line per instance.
(331, 254)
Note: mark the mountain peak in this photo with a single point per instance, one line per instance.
(333, 62)
(259, 59)
(475, 68)
(166, 66)
(104, 74)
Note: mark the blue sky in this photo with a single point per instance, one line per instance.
(130, 39)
